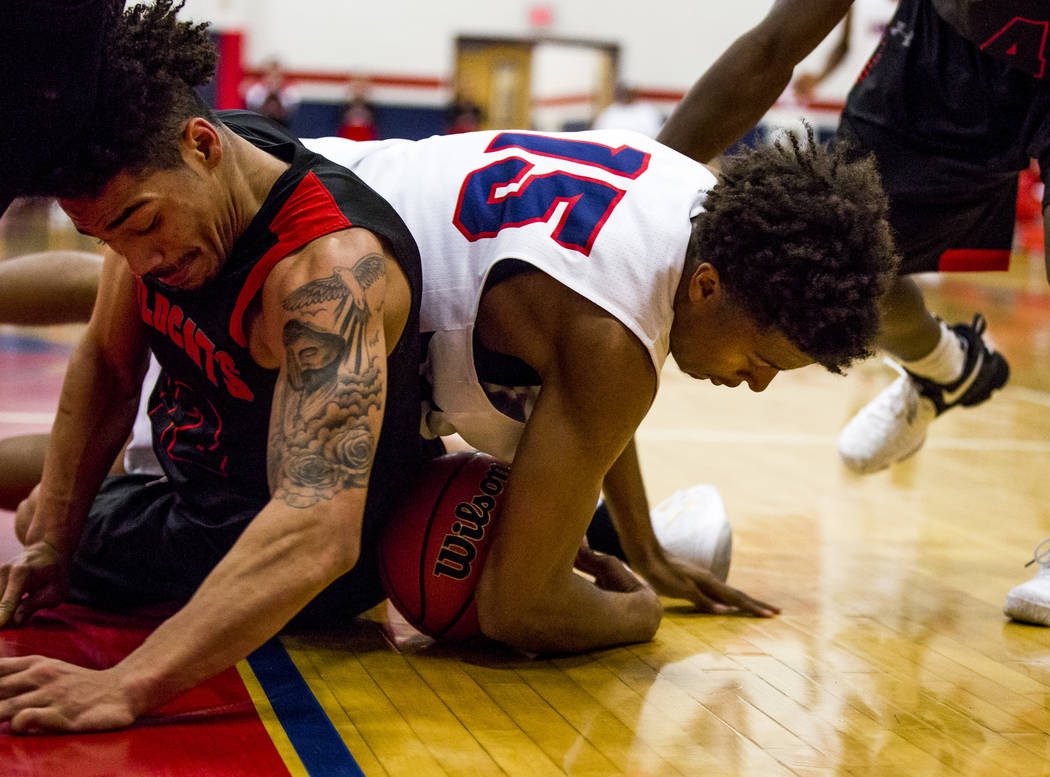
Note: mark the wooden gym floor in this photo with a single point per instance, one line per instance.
(891, 657)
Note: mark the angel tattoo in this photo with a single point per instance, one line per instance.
(346, 287)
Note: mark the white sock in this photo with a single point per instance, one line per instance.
(944, 364)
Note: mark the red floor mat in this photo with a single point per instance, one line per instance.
(212, 730)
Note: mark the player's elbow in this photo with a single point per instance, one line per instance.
(507, 614)
(343, 554)
(768, 46)
(519, 629)
(336, 548)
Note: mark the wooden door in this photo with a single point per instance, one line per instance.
(496, 74)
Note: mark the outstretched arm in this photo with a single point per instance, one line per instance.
(305, 537)
(742, 84)
(806, 83)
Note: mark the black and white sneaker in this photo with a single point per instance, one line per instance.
(893, 426)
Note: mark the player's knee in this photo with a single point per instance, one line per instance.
(505, 627)
(346, 554)
(24, 514)
(504, 620)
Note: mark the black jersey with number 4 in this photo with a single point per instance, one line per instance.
(1014, 31)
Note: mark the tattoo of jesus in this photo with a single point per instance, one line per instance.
(330, 395)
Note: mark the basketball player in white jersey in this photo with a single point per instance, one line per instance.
(560, 271)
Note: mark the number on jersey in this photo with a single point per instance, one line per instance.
(505, 194)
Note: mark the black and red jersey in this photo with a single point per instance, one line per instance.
(1014, 31)
(210, 410)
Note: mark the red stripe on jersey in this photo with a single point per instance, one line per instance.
(311, 212)
(974, 260)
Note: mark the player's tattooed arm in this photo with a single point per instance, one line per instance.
(329, 396)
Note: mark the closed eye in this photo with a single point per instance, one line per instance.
(763, 362)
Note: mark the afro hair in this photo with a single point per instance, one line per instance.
(798, 233)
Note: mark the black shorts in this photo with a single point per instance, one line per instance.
(137, 549)
(951, 128)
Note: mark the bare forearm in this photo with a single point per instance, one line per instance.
(269, 575)
(737, 90)
(625, 497)
(95, 412)
(725, 103)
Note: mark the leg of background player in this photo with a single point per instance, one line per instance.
(1030, 602)
(51, 287)
(21, 463)
(944, 366)
(909, 331)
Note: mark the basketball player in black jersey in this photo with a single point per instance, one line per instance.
(954, 103)
(228, 242)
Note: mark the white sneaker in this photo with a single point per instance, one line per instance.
(888, 429)
(1030, 602)
(892, 426)
(692, 523)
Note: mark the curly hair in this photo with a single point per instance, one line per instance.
(799, 236)
(151, 65)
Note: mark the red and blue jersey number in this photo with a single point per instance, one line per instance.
(505, 195)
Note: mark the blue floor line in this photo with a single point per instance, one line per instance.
(315, 739)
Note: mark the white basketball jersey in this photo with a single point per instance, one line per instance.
(605, 213)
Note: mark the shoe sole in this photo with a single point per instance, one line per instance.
(1026, 612)
(862, 468)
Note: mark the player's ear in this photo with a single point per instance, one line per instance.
(704, 284)
(200, 140)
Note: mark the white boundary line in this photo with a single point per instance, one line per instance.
(801, 440)
(1035, 396)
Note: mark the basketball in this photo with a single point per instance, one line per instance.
(434, 545)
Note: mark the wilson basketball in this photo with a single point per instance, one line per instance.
(435, 542)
